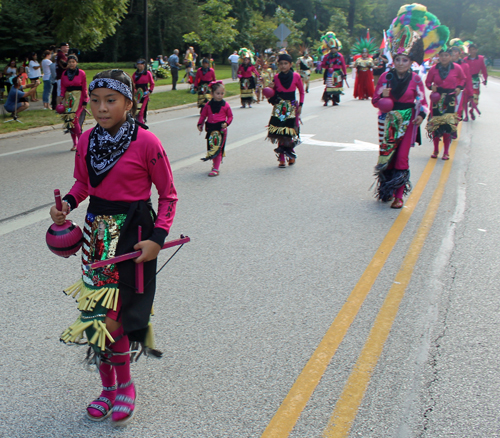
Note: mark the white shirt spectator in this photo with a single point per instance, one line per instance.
(32, 72)
(46, 69)
(233, 58)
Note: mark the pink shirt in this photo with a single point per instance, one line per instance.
(468, 78)
(144, 163)
(477, 66)
(248, 72)
(145, 79)
(415, 88)
(455, 78)
(224, 115)
(209, 76)
(296, 84)
(335, 62)
(79, 80)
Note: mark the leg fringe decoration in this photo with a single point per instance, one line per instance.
(389, 181)
(88, 298)
(95, 328)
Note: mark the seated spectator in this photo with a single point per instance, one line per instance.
(16, 94)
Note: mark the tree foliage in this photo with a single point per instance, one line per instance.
(216, 31)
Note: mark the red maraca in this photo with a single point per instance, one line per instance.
(385, 104)
(435, 96)
(268, 92)
(63, 240)
(60, 109)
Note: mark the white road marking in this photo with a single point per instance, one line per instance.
(357, 146)
(20, 151)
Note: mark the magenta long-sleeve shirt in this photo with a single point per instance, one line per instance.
(209, 76)
(455, 78)
(146, 79)
(415, 88)
(224, 115)
(477, 66)
(296, 85)
(468, 78)
(80, 80)
(144, 163)
(336, 62)
(248, 72)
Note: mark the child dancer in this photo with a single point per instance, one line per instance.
(116, 163)
(246, 73)
(144, 84)
(75, 98)
(219, 116)
(204, 76)
(285, 118)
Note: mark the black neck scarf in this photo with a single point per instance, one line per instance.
(400, 85)
(205, 70)
(72, 73)
(216, 106)
(105, 149)
(245, 66)
(444, 71)
(286, 79)
(138, 74)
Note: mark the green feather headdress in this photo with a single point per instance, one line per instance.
(364, 44)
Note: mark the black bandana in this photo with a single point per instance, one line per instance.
(286, 79)
(399, 85)
(105, 150)
(245, 66)
(72, 73)
(444, 71)
(216, 106)
(205, 70)
(138, 74)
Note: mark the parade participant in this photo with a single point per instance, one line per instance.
(364, 49)
(61, 65)
(457, 53)
(218, 116)
(17, 99)
(246, 73)
(74, 97)
(304, 65)
(334, 65)
(204, 76)
(380, 66)
(476, 66)
(144, 85)
(285, 117)
(447, 79)
(116, 164)
(414, 35)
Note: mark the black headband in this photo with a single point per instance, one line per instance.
(285, 57)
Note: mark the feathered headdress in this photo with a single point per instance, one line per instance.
(414, 26)
(246, 53)
(328, 41)
(457, 42)
(364, 45)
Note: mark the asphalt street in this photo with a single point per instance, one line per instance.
(273, 316)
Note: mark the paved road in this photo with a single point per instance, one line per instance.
(271, 308)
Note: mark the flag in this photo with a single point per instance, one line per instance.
(367, 34)
(386, 52)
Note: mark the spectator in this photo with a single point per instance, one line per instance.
(17, 98)
(173, 61)
(9, 72)
(234, 58)
(188, 61)
(2, 85)
(159, 58)
(61, 65)
(24, 75)
(53, 78)
(47, 84)
(34, 72)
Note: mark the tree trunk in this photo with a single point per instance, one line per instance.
(350, 16)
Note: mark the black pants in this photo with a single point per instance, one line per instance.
(175, 77)
(53, 100)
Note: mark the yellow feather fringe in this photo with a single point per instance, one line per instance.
(87, 298)
(75, 333)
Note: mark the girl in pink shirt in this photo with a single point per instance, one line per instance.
(285, 118)
(115, 165)
(218, 116)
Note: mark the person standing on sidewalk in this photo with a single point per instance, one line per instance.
(234, 58)
(47, 85)
(61, 66)
(173, 61)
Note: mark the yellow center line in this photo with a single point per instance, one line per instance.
(292, 406)
(352, 395)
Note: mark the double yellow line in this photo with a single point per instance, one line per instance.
(347, 406)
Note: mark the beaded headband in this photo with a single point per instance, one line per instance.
(112, 84)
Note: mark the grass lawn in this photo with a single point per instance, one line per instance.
(492, 72)
(30, 119)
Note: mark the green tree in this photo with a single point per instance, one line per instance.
(487, 37)
(87, 23)
(216, 31)
(261, 34)
(285, 16)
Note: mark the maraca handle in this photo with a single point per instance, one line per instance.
(57, 196)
